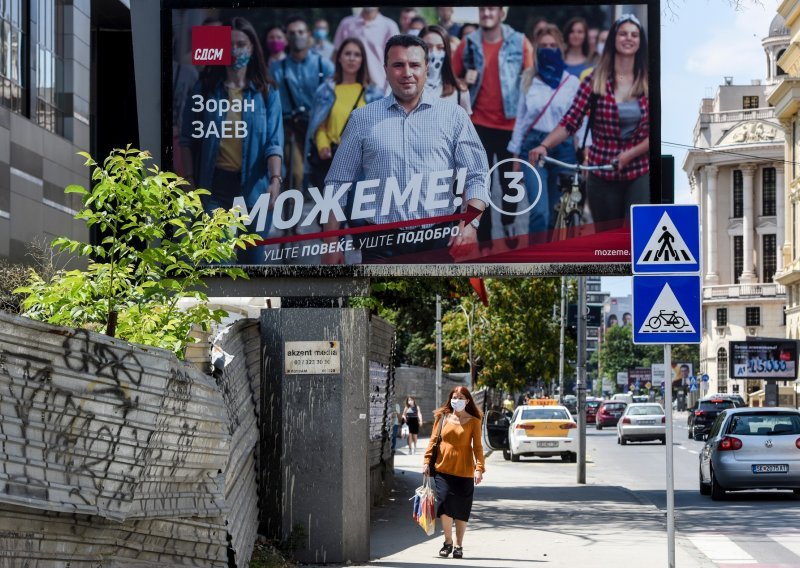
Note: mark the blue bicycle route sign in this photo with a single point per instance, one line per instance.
(666, 309)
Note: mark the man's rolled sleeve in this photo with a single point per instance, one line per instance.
(274, 124)
(469, 153)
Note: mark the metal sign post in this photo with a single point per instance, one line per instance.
(670, 468)
(581, 386)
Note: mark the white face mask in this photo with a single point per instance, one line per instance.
(435, 64)
(601, 45)
(458, 404)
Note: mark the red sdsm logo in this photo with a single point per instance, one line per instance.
(211, 45)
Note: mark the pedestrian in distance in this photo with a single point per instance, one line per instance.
(374, 30)
(616, 92)
(275, 44)
(548, 90)
(412, 416)
(459, 465)
(577, 56)
(431, 134)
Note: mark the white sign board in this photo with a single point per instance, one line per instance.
(311, 358)
(622, 378)
(658, 373)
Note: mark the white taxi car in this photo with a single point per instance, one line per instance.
(542, 428)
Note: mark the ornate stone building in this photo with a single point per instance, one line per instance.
(737, 178)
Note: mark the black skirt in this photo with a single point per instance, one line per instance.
(413, 424)
(454, 495)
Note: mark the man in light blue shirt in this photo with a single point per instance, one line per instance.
(416, 145)
(298, 76)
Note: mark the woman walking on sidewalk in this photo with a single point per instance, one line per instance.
(459, 465)
(412, 414)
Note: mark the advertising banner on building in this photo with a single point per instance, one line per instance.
(763, 359)
(418, 138)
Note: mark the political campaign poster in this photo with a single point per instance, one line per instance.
(763, 359)
(418, 141)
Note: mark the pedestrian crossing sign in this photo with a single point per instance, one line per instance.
(665, 239)
(666, 309)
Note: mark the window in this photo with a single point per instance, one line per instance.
(749, 101)
(738, 194)
(738, 258)
(49, 65)
(722, 370)
(722, 317)
(752, 316)
(779, 71)
(12, 55)
(769, 253)
(768, 191)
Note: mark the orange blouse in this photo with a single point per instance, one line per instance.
(461, 450)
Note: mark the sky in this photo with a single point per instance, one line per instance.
(702, 41)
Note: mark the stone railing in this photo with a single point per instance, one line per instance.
(737, 115)
(758, 290)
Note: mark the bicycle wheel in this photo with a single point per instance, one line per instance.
(654, 322)
(678, 322)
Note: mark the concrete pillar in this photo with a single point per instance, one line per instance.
(748, 274)
(314, 462)
(780, 203)
(785, 244)
(712, 276)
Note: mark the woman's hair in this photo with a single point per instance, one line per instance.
(410, 398)
(551, 30)
(604, 70)
(362, 76)
(471, 408)
(257, 72)
(571, 23)
(449, 81)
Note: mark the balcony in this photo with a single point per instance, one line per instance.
(737, 115)
(744, 291)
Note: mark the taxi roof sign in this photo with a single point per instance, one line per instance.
(543, 402)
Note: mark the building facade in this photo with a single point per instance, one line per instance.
(737, 177)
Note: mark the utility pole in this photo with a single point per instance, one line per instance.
(438, 351)
(581, 386)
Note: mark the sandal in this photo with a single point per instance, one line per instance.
(458, 552)
(446, 550)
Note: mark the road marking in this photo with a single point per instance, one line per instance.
(790, 541)
(720, 549)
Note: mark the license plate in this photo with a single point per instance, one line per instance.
(546, 444)
(771, 468)
(646, 422)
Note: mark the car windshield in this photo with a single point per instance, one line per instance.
(614, 406)
(765, 424)
(544, 414)
(649, 410)
(592, 403)
(715, 404)
(640, 399)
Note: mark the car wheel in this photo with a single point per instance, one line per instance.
(622, 440)
(705, 488)
(566, 457)
(690, 434)
(664, 441)
(514, 457)
(506, 455)
(573, 457)
(717, 492)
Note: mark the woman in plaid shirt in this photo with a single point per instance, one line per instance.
(617, 91)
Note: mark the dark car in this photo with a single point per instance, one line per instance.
(609, 412)
(702, 417)
(592, 404)
(571, 402)
(737, 399)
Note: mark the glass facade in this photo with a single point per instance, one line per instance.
(12, 55)
(49, 65)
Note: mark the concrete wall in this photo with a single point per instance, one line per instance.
(420, 383)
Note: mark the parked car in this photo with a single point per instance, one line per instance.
(703, 415)
(737, 399)
(642, 421)
(609, 413)
(544, 429)
(592, 404)
(751, 448)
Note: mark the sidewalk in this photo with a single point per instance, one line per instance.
(550, 521)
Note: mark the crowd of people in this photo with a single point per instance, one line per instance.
(436, 96)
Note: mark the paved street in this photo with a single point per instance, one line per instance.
(533, 513)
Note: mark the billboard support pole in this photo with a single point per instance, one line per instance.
(670, 472)
(563, 316)
(581, 386)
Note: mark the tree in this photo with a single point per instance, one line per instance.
(515, 339)
(617, 353)
(157, 247)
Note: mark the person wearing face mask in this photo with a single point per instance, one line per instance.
(374, 30)
(275, 44)
(298, 78)
(412, 415)
(602, 37)
(321, 44)
(231, 166)
(459, 465)
(441, 79)
(547, 93)
(417, 24)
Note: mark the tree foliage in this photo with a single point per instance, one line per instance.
(157, 246)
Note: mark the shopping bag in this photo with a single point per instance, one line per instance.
(404, 431)
(424, 510)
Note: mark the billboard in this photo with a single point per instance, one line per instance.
(372, 141)
(618, 311)
(763, 359)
